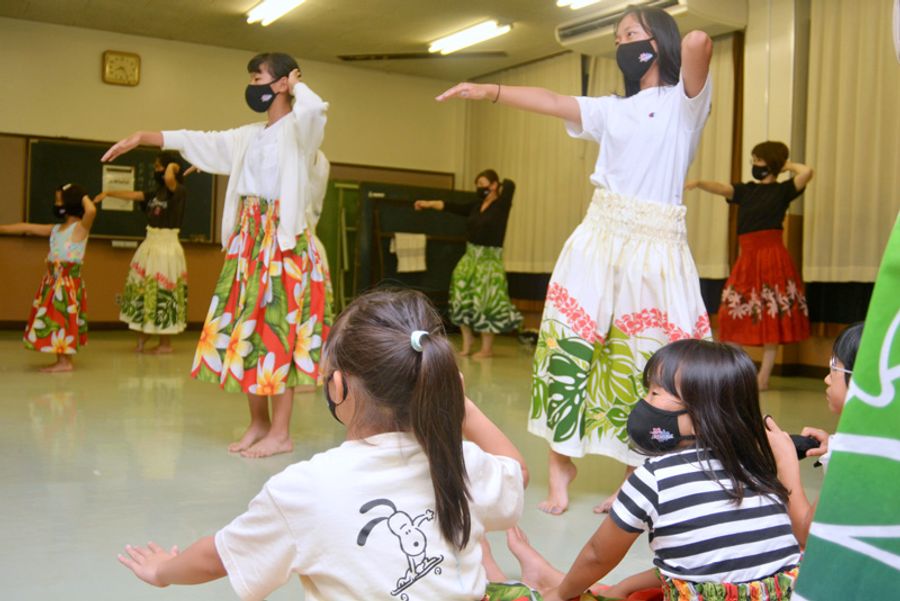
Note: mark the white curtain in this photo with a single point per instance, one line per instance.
(852, 140)
(707, 215)
(552, 190)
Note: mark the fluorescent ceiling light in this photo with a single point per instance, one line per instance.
(576, 4)
(268, 11)
(468, 37)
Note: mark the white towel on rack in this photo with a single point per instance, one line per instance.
(410, 251)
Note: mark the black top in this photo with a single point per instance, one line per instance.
(762, 206)
(488, 227)
(164, 207)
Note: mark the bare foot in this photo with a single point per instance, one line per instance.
(61, 366)
(141, 341)
(536, 571)
(159, 350)
(494, 573)
(607, 503)
(464, 352)
(253, 435)
(562, 472)
(267, 447)
(483, 354)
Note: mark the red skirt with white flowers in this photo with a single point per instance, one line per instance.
(763, 300)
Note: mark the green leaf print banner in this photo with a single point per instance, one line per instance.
(853, 550)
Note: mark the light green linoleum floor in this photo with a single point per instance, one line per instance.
(128, 448)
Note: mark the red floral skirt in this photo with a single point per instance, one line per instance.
(58, 320)
(763, 300)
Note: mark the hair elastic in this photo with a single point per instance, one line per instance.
(415, 340)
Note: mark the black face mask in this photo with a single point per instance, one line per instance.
(760, 172)
(482, 192)
(654, 430)
(332, 406)
(635, 59)
(59, 211)
(260, 96)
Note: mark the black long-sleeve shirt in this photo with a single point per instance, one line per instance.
(488, 227)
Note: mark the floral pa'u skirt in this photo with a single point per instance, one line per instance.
(271, 310)
(155, 296)
(58, 320)
(763, 300)
(624, 285)
(479, 293)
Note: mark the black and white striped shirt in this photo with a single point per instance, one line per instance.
(697, 533)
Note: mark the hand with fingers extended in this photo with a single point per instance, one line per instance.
(121, 147)
(145, 562)
(294, 78)
(785, 453)
(470, 91)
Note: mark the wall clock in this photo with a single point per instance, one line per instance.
(121, 68)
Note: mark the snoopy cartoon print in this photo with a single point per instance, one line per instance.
(413, 542)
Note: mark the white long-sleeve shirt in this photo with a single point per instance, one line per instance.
(303, 169)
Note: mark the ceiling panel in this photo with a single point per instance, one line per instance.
(325, 29)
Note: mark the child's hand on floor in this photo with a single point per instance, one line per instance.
(145, 562)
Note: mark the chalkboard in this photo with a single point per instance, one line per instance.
(52, 163)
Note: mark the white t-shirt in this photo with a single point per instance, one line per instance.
(647, 141)
(358, 522)
(260, 173)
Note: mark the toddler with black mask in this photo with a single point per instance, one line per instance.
(708, 494)
(58, 320)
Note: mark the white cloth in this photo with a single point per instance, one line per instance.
(647, 141)
(356, 520)
(410, 251)
(260, 173)
(302, 168)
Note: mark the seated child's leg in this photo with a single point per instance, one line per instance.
(494, 573)
(536, 571)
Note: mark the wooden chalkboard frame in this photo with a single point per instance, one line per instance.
(200, 212)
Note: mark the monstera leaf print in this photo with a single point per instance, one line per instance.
(568, 387)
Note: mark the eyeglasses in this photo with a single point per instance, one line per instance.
(834, 367)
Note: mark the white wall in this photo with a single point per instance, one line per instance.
(50, 85)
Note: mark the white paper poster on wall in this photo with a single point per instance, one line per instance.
(117, 177)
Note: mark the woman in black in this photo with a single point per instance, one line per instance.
(155, 299)
(763, 302)
(479, 294)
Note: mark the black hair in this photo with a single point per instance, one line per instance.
(490, 175)
(168, 157)
(775, 155)
(398, 388)
(846, 346)
(661, 27)
(717, 384)
(279, 64)
(72, 195)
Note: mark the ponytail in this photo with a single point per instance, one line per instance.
(436, 416)
(391, 346)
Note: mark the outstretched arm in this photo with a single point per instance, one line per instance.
(534, 100)
(136, 196)
(726, 190)
(154, 565)
(138, 138)
(602, 553)
(436, 205)
(27, 229)
(802, 174)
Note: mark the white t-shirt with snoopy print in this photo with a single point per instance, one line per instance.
(359, 522)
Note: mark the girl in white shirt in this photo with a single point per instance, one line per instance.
(625, 283)
(271, 309)
(398, 509)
